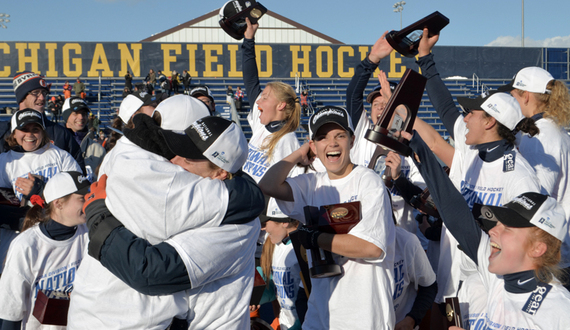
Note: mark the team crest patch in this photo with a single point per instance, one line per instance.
(509, 161)
(536, 298)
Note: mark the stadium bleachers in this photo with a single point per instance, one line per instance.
(104, 96)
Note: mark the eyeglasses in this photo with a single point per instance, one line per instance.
(37, 92)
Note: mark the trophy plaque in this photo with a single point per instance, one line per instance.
(258, 288)
(407, 40)
(332, 219)
(399, 115)
(453, 312)
(234, 12)
(51, 307)
(378, 165)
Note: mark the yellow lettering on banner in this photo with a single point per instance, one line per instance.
(233, 49)
(133, 60)
(296, 61)
(32, 58)
(363, 52)
(328, 51)
(76, 61)
(7, 72)
(268, 72)
(192, 59)
(210, 59)
(341, 51)
(51, 71)
(99, 63)
(166, 48)
(394, 61)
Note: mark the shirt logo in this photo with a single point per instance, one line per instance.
(509, 161)
(536, 298)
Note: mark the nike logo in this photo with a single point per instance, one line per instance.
(489, 150)
(525, 281)
(275, 125)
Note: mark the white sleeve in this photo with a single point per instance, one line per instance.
(253, 116)
(301, 186)
(68, 163)
(545, 162)
(15, 285)
(414, 175)
(460, 129)
(360, 130)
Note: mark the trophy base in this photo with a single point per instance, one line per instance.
(319, 271)
(401, 46)
(388, 142)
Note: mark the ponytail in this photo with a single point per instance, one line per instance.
(284, 93)
(556, 104)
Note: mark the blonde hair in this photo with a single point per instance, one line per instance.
(266, 260)
(555, 105)
(547, 264)
(284, 93)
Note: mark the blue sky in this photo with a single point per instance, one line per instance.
(473, 23)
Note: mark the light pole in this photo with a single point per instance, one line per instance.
(522, 27)
(4, 19)
(398, 8)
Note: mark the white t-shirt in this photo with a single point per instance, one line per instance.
(46, 162)
(361, 154)
(411, 268)
(337, 302)
(37, 262)
(220, 263)
(154, 199)
(287, 278)
(473, 303)
(549, 152)
(540, 309)
(479, 182)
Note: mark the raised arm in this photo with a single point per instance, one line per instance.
(450, 203)
(249, 67)
(435, 142)
(438, 93)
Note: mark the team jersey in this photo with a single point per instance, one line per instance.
(220, 263)
(155, 200)
(480, 182)
(36, 262)
(548, 152)
(363, 280)
(544, 308)
(411, 269)
(473, 303)
(45, 162)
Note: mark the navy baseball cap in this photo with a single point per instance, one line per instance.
(330, 114)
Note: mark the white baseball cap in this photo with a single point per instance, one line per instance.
(65, 183)
(532, 79)
(528, 210)
(216, 139)
(132, 102)
(501, 106)
(180, 111)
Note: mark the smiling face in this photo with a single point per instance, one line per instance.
(77, 120)
(270, 108)
(508, 251)
(36, 102)
(29, 137)
(332, 146)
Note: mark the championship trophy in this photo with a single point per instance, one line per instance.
(234, 12)
(452, 312)
(407, 40)
(51, 307)
(332, 219)
(399, 115)
(378, 165)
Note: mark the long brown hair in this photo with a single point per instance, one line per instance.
(38, 214)
(284, 93)
(555, 105)
(266, 260)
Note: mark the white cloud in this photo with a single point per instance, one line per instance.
(508, 41)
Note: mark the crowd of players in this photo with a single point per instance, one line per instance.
(183, 208)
